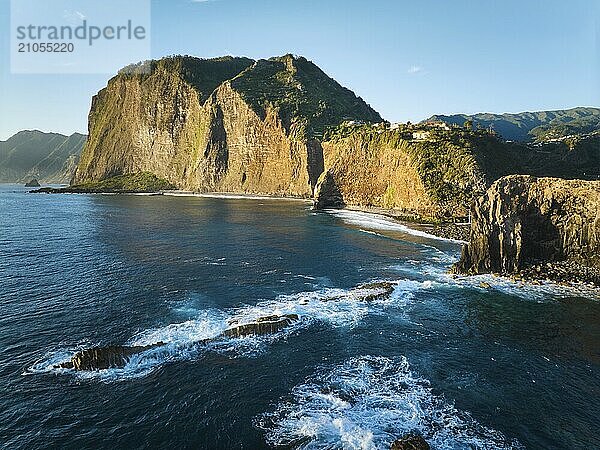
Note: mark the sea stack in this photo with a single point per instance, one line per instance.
(33, 183)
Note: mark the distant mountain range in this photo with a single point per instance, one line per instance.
(48, 157)
(532, 126)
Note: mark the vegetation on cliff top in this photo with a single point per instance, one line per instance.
(205, 75)
(303, 94)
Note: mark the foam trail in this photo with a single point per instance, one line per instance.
(371, 221)
(191, 338)
(367, 403)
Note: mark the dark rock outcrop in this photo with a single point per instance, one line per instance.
(32, 183)
(262, 326)
(410, 442)
(117, 356)
(110, 357)
(523, 220)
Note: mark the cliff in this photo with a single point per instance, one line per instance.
(523, 220)
(48, 157)
(431, 173)
(225, 124)
(423, 179)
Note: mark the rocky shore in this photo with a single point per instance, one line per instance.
(563, 272)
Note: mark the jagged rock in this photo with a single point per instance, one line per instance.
(522, 221)
(383, 290)
(410, 442)
(32, 183)
(110, 357)
(262, 326)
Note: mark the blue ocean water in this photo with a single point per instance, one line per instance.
(467, 366)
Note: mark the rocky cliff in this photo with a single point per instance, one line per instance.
(225, 124)
(425, 172)
(523, 220)
(422, 179)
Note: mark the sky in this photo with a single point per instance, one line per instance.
(407, 59)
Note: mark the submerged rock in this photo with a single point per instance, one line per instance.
(383, 290)
(110, 357)
(33, 183)
(410, 442)
(523, 221)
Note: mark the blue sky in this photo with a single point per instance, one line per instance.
(408, 59)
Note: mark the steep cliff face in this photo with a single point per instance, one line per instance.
(432, 180)
(524, 220)
(228, 124)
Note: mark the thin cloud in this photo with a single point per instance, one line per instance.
(415, 69)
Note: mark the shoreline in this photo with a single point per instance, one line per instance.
(458, 232)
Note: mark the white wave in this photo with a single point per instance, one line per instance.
(367, 403)
(188, 339)
(371, 221)
(435, 269)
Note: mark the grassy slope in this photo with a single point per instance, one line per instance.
(308, 100)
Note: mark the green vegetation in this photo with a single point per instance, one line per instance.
(307, 100)
(204, 74)
(137, 182)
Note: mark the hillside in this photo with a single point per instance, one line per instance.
(49, 157)
(431, 174)
(532, 126)
(225, 124)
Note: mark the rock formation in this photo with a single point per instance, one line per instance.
(523, 220)
(32, 183)
(117, 356)
(100, 358)
(226, 124)
(437, 177)
(410, 442)
(262, 326)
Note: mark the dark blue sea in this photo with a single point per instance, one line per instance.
(466, 364)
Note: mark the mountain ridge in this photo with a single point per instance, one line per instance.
(49, 157)
(531, 126)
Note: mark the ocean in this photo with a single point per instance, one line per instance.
(469, 363)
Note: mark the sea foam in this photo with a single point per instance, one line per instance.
(368, 402)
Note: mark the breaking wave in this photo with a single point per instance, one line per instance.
(370, 221)
(368, 402)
